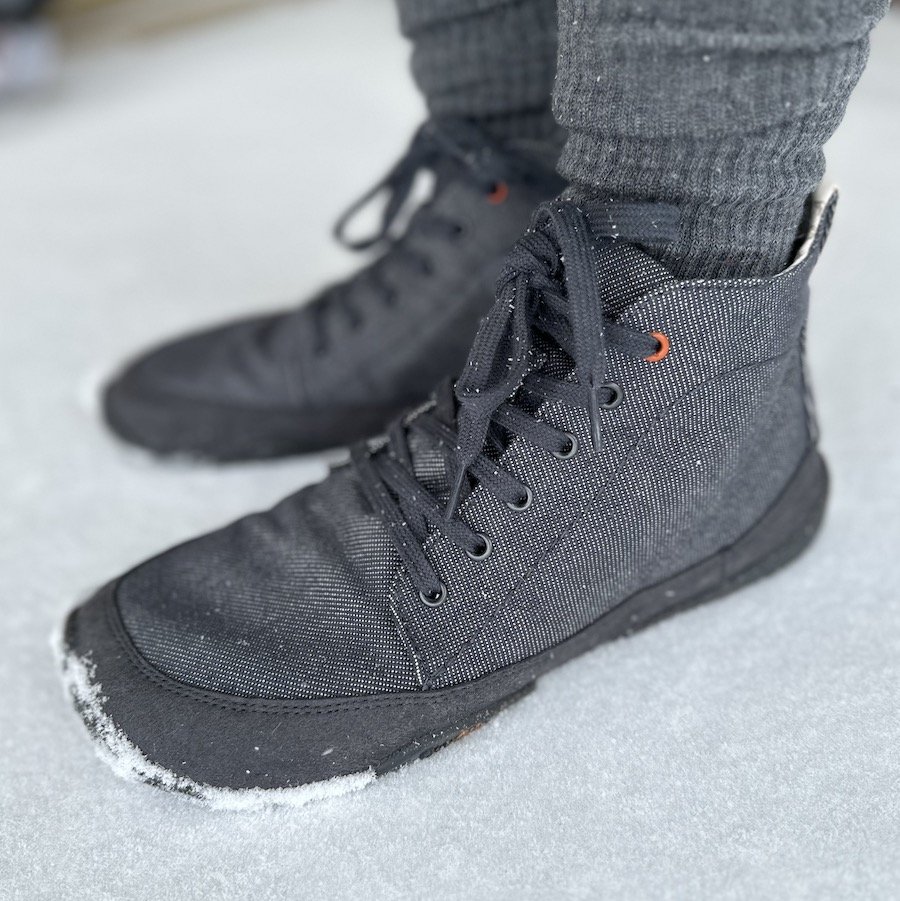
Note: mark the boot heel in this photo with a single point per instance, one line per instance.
(782, 534)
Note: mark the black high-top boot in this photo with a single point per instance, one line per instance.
(621, 446)
(339, 368)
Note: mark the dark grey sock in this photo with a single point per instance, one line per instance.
(491, 60)
(720, 107)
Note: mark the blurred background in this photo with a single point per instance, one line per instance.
(166, 164)
(33, 33)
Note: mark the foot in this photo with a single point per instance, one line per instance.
(617, 449)
(339, 368)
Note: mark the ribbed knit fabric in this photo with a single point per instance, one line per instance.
(719, 107)
(491, 60)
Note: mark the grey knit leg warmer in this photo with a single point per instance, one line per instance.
(490, 60)
(720, 106)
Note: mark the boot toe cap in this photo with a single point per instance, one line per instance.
(225, 750)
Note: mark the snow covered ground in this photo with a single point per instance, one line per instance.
(748, 749)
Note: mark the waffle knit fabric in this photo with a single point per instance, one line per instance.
(720, 107)
(491, 60)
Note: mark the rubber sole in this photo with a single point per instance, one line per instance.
(779, 537)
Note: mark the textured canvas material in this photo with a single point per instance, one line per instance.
(287, 603)
(308, 600)
(319, 376)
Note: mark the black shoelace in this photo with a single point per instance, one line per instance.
(438, 145)
(550, 285)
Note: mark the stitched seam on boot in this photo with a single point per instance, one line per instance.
(506, 603)
(294, 707)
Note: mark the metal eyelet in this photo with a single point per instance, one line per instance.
(485, 551)
(617, 395)
(524, 502)
(570, 448)
(434, 600)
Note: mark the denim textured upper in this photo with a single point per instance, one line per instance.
(389, 351)
(310, 599)
(361, 350)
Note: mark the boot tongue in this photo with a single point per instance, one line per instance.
(637, 232)
(652, 226)
(636, 275)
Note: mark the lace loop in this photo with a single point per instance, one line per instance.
(449, 147)
(434, 141)
(551, 283)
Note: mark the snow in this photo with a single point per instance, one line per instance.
(747, 749)
(128, 762)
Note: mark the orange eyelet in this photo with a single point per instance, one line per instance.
(663, 351)
(498, 193)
